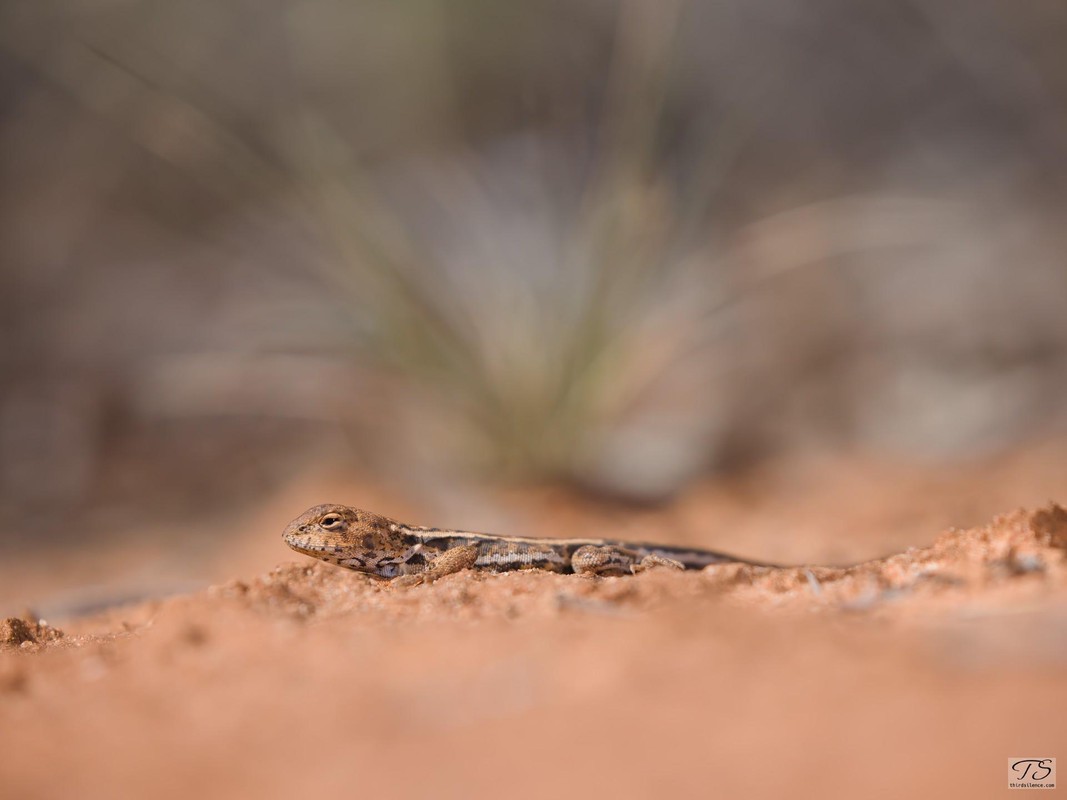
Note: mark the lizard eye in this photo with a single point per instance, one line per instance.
(330, 521)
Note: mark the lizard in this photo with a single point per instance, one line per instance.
(409, 555)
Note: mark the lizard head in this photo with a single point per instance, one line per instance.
(349, 537)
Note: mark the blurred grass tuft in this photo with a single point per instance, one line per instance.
(612, 242)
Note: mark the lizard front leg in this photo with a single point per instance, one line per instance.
(445, 563)
(611, 560)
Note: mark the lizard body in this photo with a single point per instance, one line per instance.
(385, 548)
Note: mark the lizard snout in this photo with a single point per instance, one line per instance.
(295, 533)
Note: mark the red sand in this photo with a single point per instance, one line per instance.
(917, 675)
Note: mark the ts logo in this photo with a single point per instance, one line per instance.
(1032, 769)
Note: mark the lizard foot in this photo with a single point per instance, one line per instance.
(652, 561)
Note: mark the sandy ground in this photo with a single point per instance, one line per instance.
(916, 675)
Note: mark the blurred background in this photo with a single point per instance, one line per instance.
(425, 252)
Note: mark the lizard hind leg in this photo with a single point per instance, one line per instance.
(593, 559)
(612, 560)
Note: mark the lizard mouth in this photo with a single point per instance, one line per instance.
(331, 554)
(307, 547)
